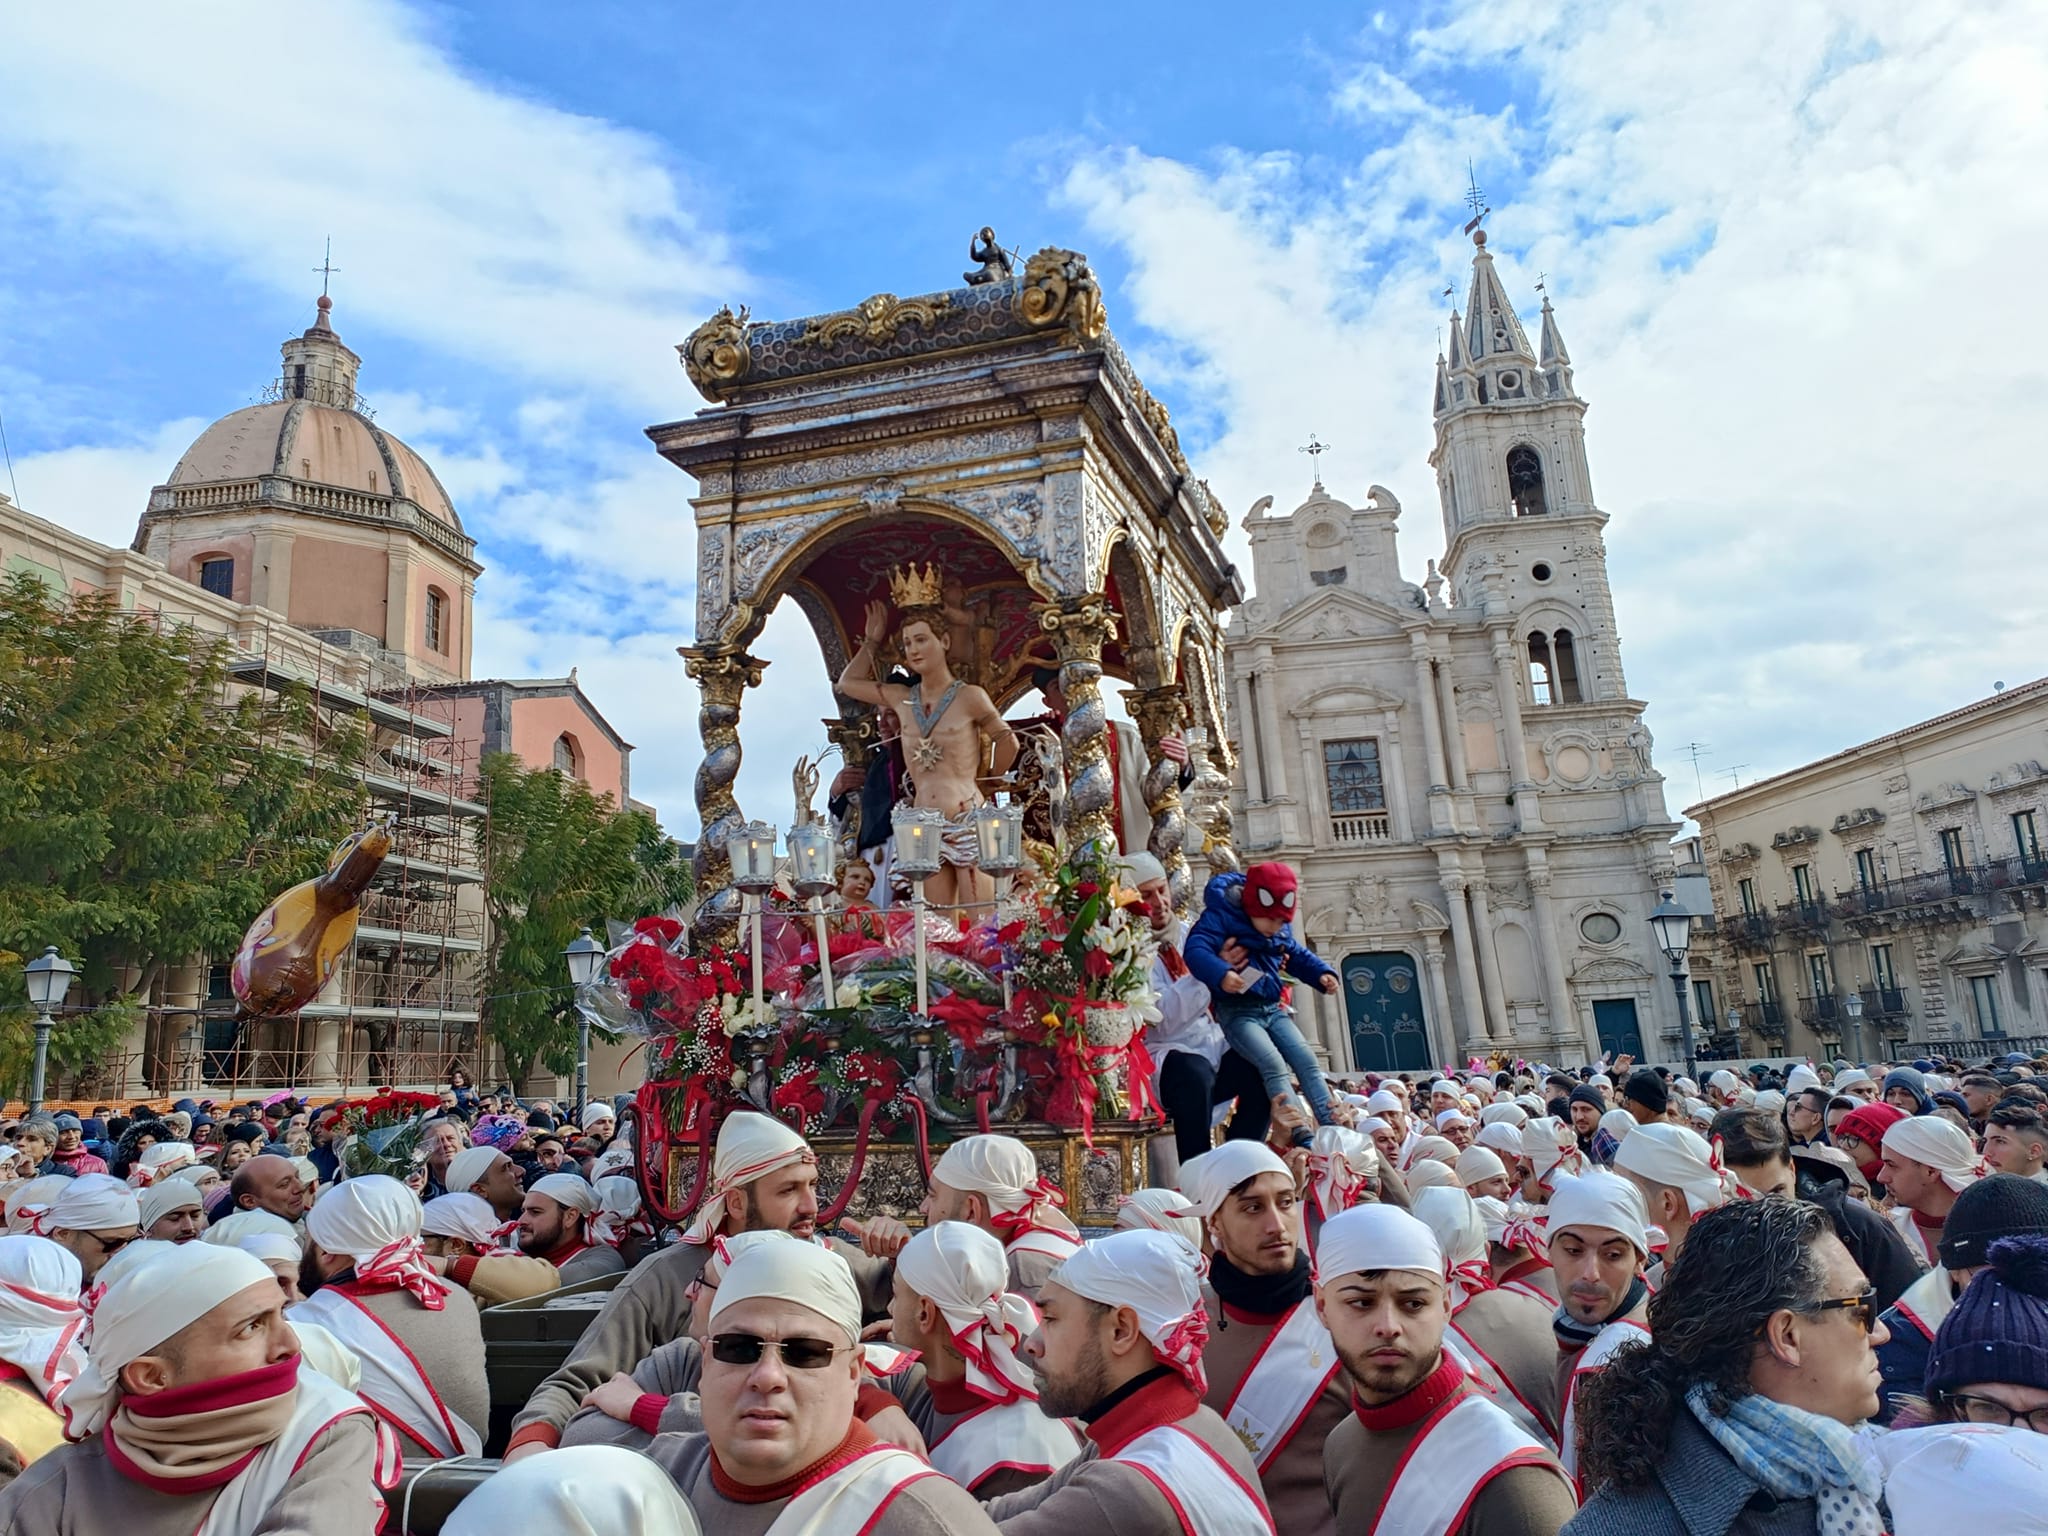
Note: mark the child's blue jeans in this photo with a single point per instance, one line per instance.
(1265, 1035)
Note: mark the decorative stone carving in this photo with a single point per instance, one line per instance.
(716, 355)
(1059, 289)
(1429, 918)
(876, 319)
(1218, 519)
(1371, 901)
(1506, 893)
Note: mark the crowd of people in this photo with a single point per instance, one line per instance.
(1812, 1298)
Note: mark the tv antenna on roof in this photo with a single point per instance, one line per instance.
(1697, 750)
(1734, 773)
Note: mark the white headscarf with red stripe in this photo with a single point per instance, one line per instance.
(750, 1145)
(374, 1221)
(1002, 1170)
(39, 1312)
(1158, 1277)
(1931, 1140)
(1461, 1234)
(962, 1271)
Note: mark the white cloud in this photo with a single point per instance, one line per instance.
(101, 490)
(1781, 241)
(481, 222)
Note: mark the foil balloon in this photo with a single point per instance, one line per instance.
(291, 950)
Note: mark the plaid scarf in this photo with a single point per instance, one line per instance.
(1794, 1454)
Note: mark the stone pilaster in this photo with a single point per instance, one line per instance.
(1158, 713)
(1080, 627)
(723, 676)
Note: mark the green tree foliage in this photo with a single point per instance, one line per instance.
(561, 859)
(149, 808)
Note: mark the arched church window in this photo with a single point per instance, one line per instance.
(217, 575)
(568, 760)
(1539, 668)
(1566, 660)
(1525, 481)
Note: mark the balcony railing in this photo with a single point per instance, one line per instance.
(1765, 1018)
(1882, 1002)
(1362, 827)
(1752, 928)
(1807, 912)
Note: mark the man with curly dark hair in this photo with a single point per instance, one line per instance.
(1739, 1414)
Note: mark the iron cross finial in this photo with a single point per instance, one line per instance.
(327, 268)
(1315, 450)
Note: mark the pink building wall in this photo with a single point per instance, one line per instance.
(538, 723)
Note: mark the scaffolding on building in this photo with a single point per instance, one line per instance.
(404, 1006)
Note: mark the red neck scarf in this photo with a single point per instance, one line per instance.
(1417, 1403)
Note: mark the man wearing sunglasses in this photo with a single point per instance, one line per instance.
(95, 1217)
(781, 1448)
(764, 1177)
(1740, 1412)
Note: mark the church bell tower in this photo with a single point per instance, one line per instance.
(1522, 535)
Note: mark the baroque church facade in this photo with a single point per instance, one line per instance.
(1457, 769)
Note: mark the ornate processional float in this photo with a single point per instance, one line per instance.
(972, 486)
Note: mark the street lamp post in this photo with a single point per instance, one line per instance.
(1852, 1005)
(1672, 925)
(586, 958)
(1734, 1026)
(49, 979)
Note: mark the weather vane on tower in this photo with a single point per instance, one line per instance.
(1475, 200)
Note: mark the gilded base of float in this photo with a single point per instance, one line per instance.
(892, 1180)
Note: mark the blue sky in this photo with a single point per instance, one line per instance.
(1780, 240)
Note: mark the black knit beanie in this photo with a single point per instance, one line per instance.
(2002, 1205)
(1647, 1089)
(1998, 1329)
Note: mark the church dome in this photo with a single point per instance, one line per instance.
(312, 428)
(319, 444)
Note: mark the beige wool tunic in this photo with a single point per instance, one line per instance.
(1094, 1495)
(1293, 1480)
(75, 1491)
(449, 1346)
(1513, 1331)
(930, 1506)
(1363, 1454)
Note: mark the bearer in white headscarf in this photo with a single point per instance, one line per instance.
(1680, 1178)
(96, 1217)
(1161, 1210)
(763, 1177)
(192, 1415)
(590, 1490)
(1927, 1163)
(554, 1224)
(40, 1320)
(785, 1340)
(172, 1211)
(993, 1182)
(461, 1234)
(1120, 1347)
(369, 1283)
(978, 1407)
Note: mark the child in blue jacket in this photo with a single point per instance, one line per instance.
(1255, 910)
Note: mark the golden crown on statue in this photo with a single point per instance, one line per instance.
(911, 588)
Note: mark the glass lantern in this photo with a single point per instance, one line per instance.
(999, 829)
(918, 834)
(810, 859)
(752, 851)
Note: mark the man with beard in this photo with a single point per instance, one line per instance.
(1599, 1243)
(1926, 1163)
(1272, 1373)
(367, 1281)
(554, 1224)
(1425, 1452)
(976, 1400)
(763, 1176)
(1120, 1348)
(491, 1174)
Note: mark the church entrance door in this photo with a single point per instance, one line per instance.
(1615, 1019)
(1384, 1003)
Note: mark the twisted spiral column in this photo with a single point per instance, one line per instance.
(1080, 627)
(723, 676)
(1160, 712)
